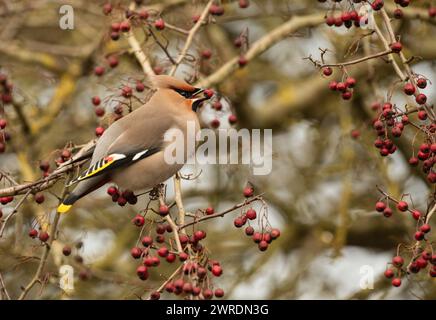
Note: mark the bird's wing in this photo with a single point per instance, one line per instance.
(113, 161)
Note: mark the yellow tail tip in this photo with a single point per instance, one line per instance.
(63, 208)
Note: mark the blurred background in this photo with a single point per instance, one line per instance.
(321, 191)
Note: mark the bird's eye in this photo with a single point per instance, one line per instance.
(184, 93)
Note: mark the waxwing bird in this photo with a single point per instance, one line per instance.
(130, 153)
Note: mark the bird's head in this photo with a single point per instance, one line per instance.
(193, 96)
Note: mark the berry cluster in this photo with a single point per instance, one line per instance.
(6, 88)
(122, 197)
(345, 87)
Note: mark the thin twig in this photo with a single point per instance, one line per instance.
(191, 36)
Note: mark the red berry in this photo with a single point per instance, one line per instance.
(327, 71)
(233, 119)
(209, 211)
(347, 95)
(396, 47)
(389, 273)
(238, 222)
(422, 115)
(215, 123)
(142, 272)
(396, 282)
(107, 8)
(409, 89)
(419, 235)
(350, 82)
(113, 61)
(33, 233)
(99, 112)
(249, 231)
(66, 251)
(99, 70)
(39, 198)
(333, 85)
(416, 214)
(96, 101)
(257, 237)
(387, 212)
(43, 236)
(244, 4)
(155, 295)
(263, 245)
(219, 293)
(136, 252)
(397, 261)
(138, 220)
(425, 228)
(143, 14)
(147, 241)
(248, 192)
(421, 98)
(140, 86)
(207, 294)
(380, 206)
(341, 86)
(216, 10)
(402, 206)
(171, 257)
(421, 83)
(275, 233)
(217, 270)
(183, 256)
(126, 91)
(163, 252)
(251, 214)
(159, 24)
(163, 210)
(432, 12)
(3, 123)
(242, 61)
(398, 13)
(206, 54)
(125, 26)
(99, 131)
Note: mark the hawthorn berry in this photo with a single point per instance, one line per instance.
(217, 270)
(207, 294)
(136, 252)
(99, 71)
(398, 13)
(421, 83)
(257, 237)
(113, 61)
(39, 198)
(380, 206)
(251, 214)
(327, 71)
(183, 256)
(107, 8)
(139, 86)
(389, 273)
(33, 233)
(416, 214)
(409, 89)
(219, 293)
(43, 236)
(421, 98)
(242, 61)
(263, 245)
(216, 10)
(425, 228)
(126, 92)
(159, 24)
(402, 206)
(333, 85)
(138, 220)
(249, 231)
(238, 222)
(143, 14)
(232, 119)
(66, 250)
(112, 190)
(209, 211)
(387, 212)
(171, 257)
(99, 131)
(163, 210)
(248, 192)
(162, 252)
(155, 295)
(142, 272)
(350, 82)
(396, 282)
(187, 287)
(422, 115)
(397, 261)
(215, 123)
(396, 47)
(419, 235)
(147, 241)
(244, 4)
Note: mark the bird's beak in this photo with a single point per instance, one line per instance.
(198, 98)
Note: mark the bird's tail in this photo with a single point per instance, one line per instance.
(67, 203)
